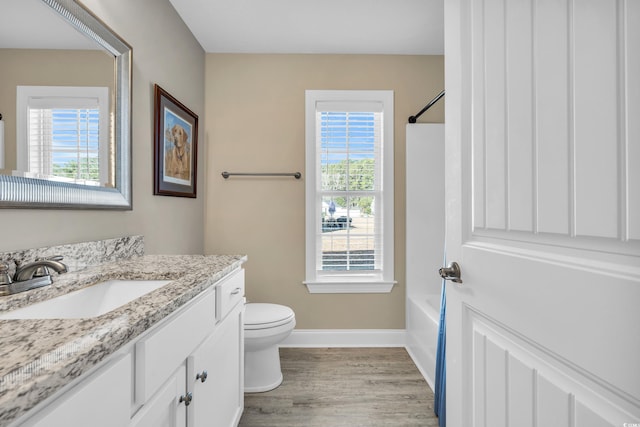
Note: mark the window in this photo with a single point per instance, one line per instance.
(63, 133)
(349, 191)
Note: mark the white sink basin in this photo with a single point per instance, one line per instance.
(92, 301)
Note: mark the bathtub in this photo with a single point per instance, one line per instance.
(423, 318)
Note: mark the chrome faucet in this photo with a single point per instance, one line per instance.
(30, 276)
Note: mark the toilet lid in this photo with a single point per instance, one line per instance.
(261, 315)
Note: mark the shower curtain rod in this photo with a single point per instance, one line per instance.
(413, 119)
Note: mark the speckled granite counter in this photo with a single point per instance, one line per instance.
(41, 356)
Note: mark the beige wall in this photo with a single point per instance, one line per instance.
(255, 122)
(38, 67)
(164, 52)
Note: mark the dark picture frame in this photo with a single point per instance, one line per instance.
(176, 147)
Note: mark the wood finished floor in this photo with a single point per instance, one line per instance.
(334, 387)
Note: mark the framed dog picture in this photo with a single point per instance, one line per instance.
(176, 147)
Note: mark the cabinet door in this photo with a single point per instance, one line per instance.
(219, 400)
(101, 400)
(169, 345)
(164, 409)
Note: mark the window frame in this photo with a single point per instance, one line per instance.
(42, 95)
(381, 281)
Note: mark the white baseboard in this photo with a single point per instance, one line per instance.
(346, 338)
(416, 361)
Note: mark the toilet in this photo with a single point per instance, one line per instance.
(265, 326)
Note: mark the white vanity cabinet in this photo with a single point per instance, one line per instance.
(186, 371)
(199, 357)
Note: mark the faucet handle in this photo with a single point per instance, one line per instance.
(5, 279)
(44, 270)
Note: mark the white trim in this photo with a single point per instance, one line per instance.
(380, 287)
(313, 279)
(346, 338)
(427, 377)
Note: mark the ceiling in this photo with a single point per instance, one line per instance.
(403, 27)
(406, 27)
(31, 24)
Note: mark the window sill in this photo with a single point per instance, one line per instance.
(350, 287)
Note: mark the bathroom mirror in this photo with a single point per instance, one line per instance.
(69, 30)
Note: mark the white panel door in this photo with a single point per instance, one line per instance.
(543, 207)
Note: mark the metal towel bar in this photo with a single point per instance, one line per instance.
(296, 175)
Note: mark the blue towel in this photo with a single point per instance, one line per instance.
(440, 401)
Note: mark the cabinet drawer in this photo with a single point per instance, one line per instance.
(230, 292)
(158, 354)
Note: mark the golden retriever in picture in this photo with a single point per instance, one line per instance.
(177, 160)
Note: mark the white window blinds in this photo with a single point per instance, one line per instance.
(65, 142)
(349, 156)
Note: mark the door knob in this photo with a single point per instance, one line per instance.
(451, 272)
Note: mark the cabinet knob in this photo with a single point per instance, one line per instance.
(202, 377)
(187, 398)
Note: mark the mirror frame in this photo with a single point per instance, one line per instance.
(19, 192)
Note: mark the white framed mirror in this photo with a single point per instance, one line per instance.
(23, 185)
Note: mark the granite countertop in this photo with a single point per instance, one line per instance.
(41, 356)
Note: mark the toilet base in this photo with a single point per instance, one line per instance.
(262, 370)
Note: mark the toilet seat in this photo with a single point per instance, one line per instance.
(264, 316)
